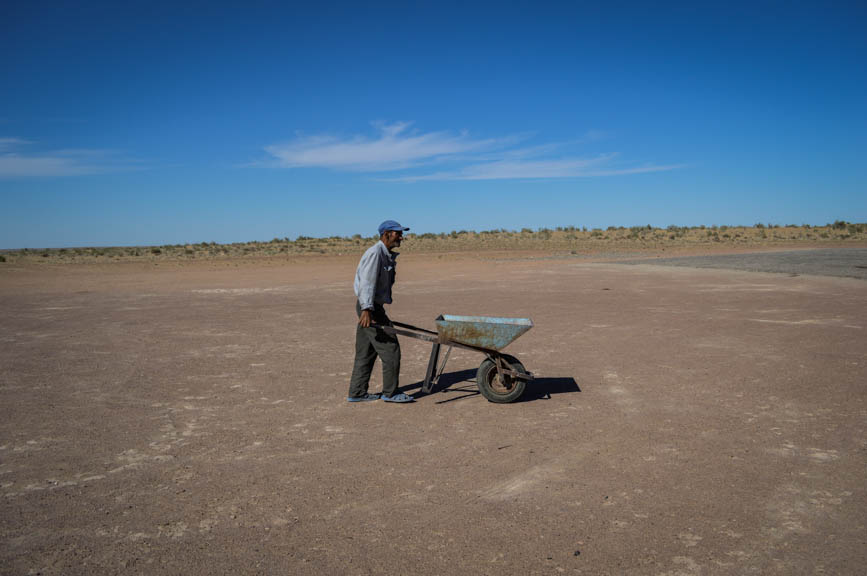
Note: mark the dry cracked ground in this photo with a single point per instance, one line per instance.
(192, 420)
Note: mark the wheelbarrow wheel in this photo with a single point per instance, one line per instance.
(496, 391)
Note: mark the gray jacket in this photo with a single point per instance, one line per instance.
(375, 276)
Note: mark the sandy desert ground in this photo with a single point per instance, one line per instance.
(191, 419)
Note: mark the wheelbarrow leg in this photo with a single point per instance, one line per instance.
(431, 368)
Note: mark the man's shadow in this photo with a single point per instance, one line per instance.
(463, 384)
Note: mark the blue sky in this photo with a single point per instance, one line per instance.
(125, 123)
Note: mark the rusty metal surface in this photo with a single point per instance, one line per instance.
(481, 331)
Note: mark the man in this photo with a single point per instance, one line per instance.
(373, 281)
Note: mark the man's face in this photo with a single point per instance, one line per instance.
(393, 238)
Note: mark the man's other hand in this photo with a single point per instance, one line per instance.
(364, 320)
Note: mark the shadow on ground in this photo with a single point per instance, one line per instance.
(462, 384)
(543, 388)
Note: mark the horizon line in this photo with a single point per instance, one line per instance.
(568, 228)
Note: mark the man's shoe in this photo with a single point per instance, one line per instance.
(398, 398)
(365, 398)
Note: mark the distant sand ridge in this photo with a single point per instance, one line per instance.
(569, 239)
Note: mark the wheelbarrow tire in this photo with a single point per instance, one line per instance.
(486, 379)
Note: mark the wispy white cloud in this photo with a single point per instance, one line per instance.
(515, 168)
(409, 155)
(596, 135)
(597, 166)
(396, 147)
(17, 161)
(10, 143)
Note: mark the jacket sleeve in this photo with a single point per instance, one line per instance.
(368, 269)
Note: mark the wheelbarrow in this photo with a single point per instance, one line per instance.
(501, 378)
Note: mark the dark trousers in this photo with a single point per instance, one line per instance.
(370, 343)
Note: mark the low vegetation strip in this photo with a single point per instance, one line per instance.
(562, 239)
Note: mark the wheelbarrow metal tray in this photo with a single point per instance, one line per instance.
(481, 331)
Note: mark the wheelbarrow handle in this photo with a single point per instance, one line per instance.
(402, 325)
(411, 327)
(412, 332)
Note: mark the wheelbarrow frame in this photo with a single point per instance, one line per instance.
(437, 340)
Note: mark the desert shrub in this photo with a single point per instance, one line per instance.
(824, 235)
(2, 258)
(188, 251)
(596, 233)
(759, 225)
(723, 228)
(156, 250)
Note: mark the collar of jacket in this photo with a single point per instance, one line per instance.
(386, 251)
